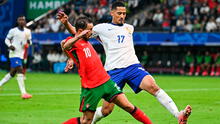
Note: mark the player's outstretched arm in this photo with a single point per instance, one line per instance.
(68, 44)
(64, 20)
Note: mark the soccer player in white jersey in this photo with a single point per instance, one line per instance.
(123, 66)
(16, 40)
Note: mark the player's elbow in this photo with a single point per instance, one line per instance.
(66, 47)
(62, 44)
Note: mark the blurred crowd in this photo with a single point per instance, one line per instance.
(163, 15)
(181, 16)
(97, 10)
(190, 63)
(145, 15)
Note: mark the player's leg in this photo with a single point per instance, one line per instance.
(148, 84)
(123, 102)
(103, 111)
(139, 79)
(21, 84)
(106, 108)
(87, 117)
(8, 76)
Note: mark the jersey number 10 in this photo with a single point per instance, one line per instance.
(121, 38)
(87, 52)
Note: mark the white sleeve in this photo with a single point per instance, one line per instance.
(9, 37)
(98, 29)
(132, 28)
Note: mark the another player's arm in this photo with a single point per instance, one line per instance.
(68, 44)
(64, 20)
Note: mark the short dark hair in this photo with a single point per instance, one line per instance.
(81, 22)
(20, 16)
(117, 4)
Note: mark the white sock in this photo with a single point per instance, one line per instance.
(5, 79)
(20, 79)
(98, 115)
(167, 102)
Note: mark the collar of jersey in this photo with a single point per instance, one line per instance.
(20, 29)
(116, 24)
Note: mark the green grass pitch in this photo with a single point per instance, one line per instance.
(56, 99)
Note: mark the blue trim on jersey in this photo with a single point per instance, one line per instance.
(132, 75)
(116, 24)
(15, 62)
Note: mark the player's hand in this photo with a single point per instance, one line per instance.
(84, 33)
(12, 48)
(62, 17)
(69, 65)
(29, 42)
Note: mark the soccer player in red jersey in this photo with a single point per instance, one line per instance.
(95, 82)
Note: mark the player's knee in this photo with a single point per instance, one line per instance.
(106, 110)
(153, 88)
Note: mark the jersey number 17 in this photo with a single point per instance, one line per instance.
(121, 38)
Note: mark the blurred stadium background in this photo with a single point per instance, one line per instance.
(177, 40)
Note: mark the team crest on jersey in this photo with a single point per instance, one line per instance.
(129, 30)
(87, 105)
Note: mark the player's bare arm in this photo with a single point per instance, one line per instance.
(62, 44)
(64, 20)
(69, 63)
(68, 45)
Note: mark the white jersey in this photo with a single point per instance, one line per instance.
(118, 45)
(17, 38)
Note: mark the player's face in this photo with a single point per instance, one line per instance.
(89, 27)
(118, 15)
(21, 21)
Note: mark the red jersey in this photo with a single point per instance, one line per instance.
(89, 65)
